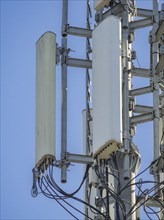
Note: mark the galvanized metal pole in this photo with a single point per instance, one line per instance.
(88, 147)
(161, 138)
(87, 144)
(88, 95)
(128, 195)
(155, 58)
(64, 92)
(126, 122)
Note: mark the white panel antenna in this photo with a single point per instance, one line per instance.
(45, 99)
(107, 88)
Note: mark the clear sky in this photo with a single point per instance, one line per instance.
(22, 23)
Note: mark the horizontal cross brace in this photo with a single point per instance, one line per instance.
(160, 31)
(160, 65)
(139, 119)
(81, 32)
(140, 72)
(145, 13)
(141, 91)
(73, 62)
(142, 109)
(141, 23)
(78, 158)
(151, 202)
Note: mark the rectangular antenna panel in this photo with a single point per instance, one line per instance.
(45, 97)
(107, 88)
(99, 4)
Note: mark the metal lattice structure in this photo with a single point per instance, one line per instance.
(110, 183)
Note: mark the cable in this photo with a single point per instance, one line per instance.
(118, 186)
(61, 204)
(98, 170)
(61, 190)
(139, 186)
(50, 178)
(52, 190)
(145, 193)
(85, 203)
(130, 213)
(68, 203)
(107, 197)
(150, 213)
(127, 185)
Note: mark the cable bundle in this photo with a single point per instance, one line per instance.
(48, 187)
(45, 181)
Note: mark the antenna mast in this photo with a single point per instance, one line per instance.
(112, 159)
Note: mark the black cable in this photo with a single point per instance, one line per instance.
(127, 185)
(111, 192)
(77, 190)
(61, 204)
(85, 203)
(146, 182)
(54, 183)
(139, 186)
(102, 173)
(151, 213)
(147, 214)
(71, 195)
(107, 199)
(130, 213)
(118, 187)
(67, 202)
(145, 193)
(156, 186)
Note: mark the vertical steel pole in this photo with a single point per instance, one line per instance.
(161, 139)
(155, 58)
(154, 61)
(88, 113)
(126, 122)
(128, 196)
(87, 149)
(64, 92)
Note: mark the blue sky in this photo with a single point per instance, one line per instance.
(22, 23)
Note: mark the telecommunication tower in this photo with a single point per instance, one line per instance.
(112, 190)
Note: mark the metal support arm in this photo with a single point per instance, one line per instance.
(79, 158)
(139, 119)
(140, 72)
(81, 32)
(145, 13)
(73, 62)
(142, 109)
(141, 23)
(141, 91)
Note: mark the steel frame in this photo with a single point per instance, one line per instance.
(146, 113)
